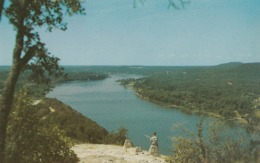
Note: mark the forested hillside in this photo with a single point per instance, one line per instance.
(229, 90)
(45, 129)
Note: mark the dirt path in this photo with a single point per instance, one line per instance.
(100, 153)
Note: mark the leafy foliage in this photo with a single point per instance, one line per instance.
(3, 76)
(72, 123)
(31, 139)
(116, 138)
(44, 130)
(214, 147)
(27, 17)
(42, 80)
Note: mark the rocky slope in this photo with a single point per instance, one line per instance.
(100, 153)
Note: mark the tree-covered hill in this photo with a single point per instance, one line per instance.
(230, 90)
(74, 124)
(45, 130)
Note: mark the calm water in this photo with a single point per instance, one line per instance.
(113, 106)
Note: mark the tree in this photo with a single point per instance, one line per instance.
(31, 138)
(27, 17)
(1, 7)
(215, 146)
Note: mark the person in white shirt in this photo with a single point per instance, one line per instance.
(154, 148)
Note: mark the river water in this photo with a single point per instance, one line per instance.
(113, 106)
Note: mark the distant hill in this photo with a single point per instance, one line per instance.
(239, 67)
(230, 64)
(248, 68)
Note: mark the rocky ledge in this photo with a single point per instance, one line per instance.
(100, 153)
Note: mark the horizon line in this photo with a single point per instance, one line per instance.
(132, 65)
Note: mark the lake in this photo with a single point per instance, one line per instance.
(113, 106)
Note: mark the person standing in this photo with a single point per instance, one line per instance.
(154, 148)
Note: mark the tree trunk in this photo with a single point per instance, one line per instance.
(6, 105)
(9, 90)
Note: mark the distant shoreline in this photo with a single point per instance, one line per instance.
(240, 120)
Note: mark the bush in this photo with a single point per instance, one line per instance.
(30, 140)
(116, 138)
(215, 147)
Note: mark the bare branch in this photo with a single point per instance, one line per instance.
(176, 3)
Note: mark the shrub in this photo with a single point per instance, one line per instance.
(217, 146)
(116, 138)
(30, 140)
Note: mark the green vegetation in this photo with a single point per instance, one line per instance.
(43, 130)
(116, 138)
(3, 76)
(69, 74)
(72, 123)
(74, 73)
(31, 139)
(27, 19)
(213, 146)
(140, 70)
(229, 90)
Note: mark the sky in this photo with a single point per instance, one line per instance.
(205, 32)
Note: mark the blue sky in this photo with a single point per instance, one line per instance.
(206, 32)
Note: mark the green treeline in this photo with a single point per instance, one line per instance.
(68, 74)
(77, 73)
(229, 90)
